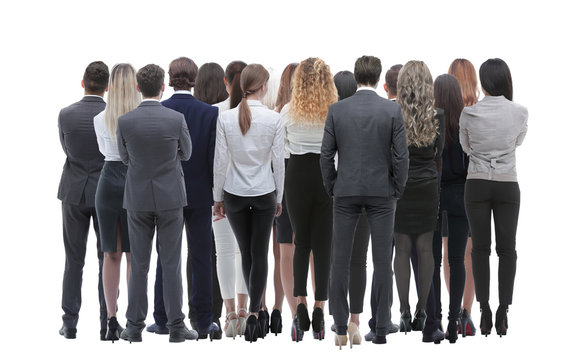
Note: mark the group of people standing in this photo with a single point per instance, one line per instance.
(320, 161)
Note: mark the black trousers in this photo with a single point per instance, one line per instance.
(251, 220)
(502, 200)
(76, 224)
(311, 214)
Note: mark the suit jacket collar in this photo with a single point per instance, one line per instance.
(149, 103)
(365, 92)
(181, 96)
(90, 98)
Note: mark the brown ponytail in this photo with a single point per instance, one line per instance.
(252, 78)
(232, 75)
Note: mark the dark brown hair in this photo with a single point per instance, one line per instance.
(345, 84)
(232, 76)
(367, 70)
(210, 86)
(150, 80)
(464, 71)
(285, 88)
(448, 97)
(252, 78)
(391, 78)
(96, 78)
(182, 73)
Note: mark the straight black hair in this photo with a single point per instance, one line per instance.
(495, 78)
(345, 84)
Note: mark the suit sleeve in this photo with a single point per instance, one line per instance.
(62, 134)
(220, 161)
(184, 142)
(328, 151)
(121, 145)
(464, 141)
(400, 154)
(278, 160)
(212, 144)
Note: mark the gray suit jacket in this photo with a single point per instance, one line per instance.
(368, 133)
(153, 140)
(84, 161)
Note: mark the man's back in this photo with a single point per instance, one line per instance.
(152, 140)
(84, 161)
(368, 134)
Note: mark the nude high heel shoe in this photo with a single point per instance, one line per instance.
(231, 325)
(242, 315)
(354, 335)
(340, 340)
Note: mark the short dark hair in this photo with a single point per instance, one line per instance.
(182, 73)
(345, 84)
(150, 80)
(391, 78)
(96, 77)
(367, 70)
(495, 78)
(210, 86)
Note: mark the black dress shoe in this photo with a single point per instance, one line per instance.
(182, 335)
(211, 331)
(370, 335)
(157, 329)
(392, 328)
(436, 337)
(131, 336)
(379, 339)
(68, 333)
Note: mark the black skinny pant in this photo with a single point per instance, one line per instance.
(502, 199)
(251, 220)
(311, 214)
(452, 202)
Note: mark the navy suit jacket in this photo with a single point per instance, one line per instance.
(198, 171)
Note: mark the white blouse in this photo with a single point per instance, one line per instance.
(301, 138)
(107, 146)
(242, 163)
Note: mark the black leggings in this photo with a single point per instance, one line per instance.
(502, 199)
(251, 220)
(311, 214)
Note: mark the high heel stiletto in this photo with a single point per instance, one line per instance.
(467, 327)
(318, 324)
(231, 325)
(112, 329)
(303, 321)
(405, 322)
(452, 332)
(354, 334)
(501, 323)
(485, 320)
(251, 333)
(419, 320)
(262, 323)
(242, 317)
(340, 340)
(296, 333)
(275, 322)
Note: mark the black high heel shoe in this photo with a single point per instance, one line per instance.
(405, 322)
(296, 333)
(318, 324)
(419, 320)
(485, 319)
(262, 323)
(452, 331)
(501, 320)
(467, 327)
(275, 322)
(113, 329)
(251, 333)
(303, 321)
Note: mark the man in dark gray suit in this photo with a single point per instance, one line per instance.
(153, 140)
(368, 134)
(77, 192)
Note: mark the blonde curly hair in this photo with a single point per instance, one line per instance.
(313, 92)
(415, 94)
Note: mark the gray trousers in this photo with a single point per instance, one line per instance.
(380, 215)
(142, 225)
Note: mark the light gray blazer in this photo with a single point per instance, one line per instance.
(153, 140)
(490, 131)
(368, 133)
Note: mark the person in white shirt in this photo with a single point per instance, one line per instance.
(247, 189)
(309, 206)
(122, 98)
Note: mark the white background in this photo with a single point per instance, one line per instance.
(47, 45)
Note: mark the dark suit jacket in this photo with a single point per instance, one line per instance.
(198, 171)
(152, 141)
(84, 161)
(368, 133)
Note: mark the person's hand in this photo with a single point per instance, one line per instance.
(278, 209)
(219, 210)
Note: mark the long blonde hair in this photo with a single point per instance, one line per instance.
(415, 94)
(313, 91)
(122, 96)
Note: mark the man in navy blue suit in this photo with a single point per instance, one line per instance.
(198, 174)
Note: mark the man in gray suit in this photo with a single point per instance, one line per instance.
(153, 140)
(368, 134)
(77, 192)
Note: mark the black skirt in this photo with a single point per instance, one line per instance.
(417, 209)
(109, 206)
